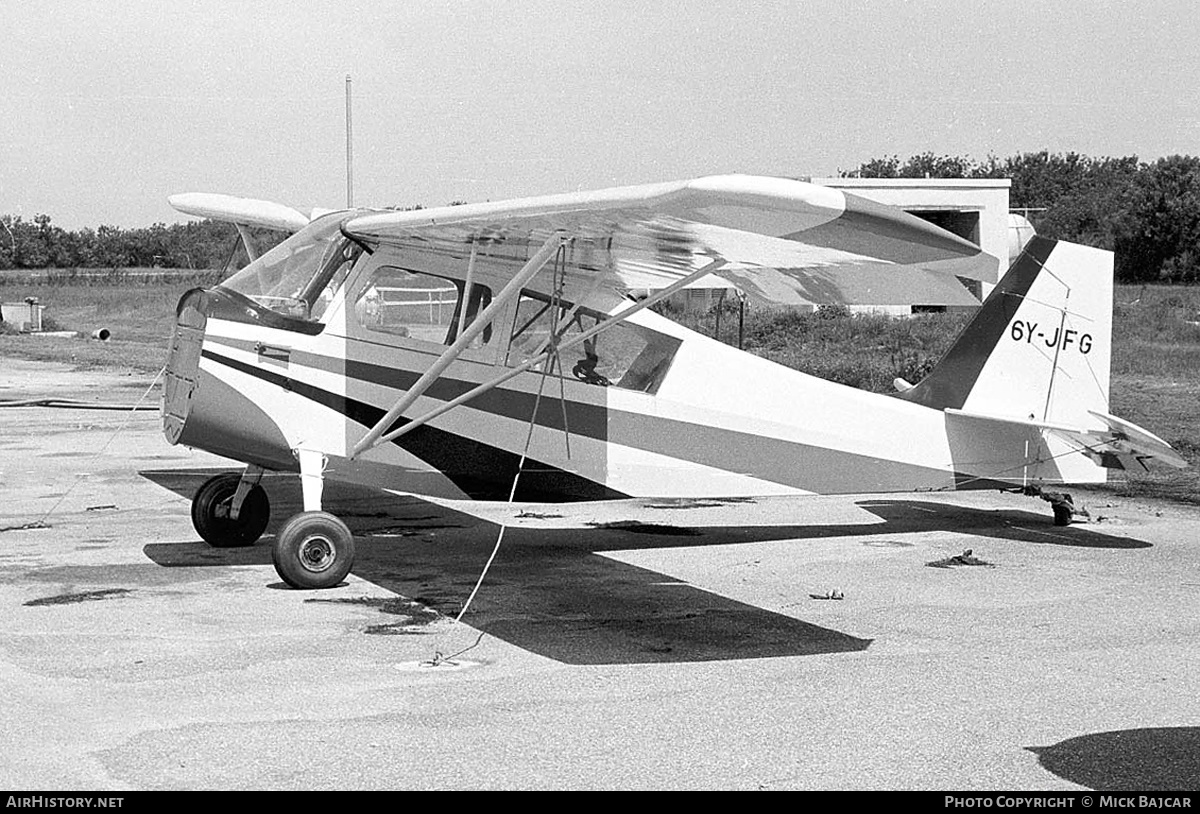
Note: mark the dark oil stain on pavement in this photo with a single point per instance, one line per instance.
(82, 596)
(635, 527)
(965, 558)
(415, 615)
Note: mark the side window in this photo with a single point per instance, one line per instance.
(625, 355)
(531, 330)
(419, 306)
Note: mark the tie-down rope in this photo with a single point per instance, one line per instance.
(552, 361)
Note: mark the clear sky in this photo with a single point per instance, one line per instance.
(108, 107)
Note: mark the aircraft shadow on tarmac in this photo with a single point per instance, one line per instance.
(552, 592)
(1155, 759)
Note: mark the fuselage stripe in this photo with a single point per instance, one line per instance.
(775, 460)
(490, 469)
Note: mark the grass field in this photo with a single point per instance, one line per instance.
(1155, 365)
(139, 313)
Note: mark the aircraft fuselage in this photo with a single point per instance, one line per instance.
(656, 410)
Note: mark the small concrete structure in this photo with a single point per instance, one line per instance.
(24, 316)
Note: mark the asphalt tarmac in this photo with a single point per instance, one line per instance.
(661, 645)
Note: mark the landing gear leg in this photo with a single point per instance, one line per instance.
(231, 509)
(314, 549)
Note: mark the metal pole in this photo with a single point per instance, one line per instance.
(466, 297)
(741, 320)
(349, 150)
(11, 237)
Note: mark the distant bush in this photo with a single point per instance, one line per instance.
(866, 351)
(1155, 332)
(53, 277)
(832, 311)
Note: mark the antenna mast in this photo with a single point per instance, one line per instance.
(349, 149)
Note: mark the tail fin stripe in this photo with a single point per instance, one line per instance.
(958, 371)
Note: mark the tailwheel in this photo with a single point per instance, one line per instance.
(1063, 506)
(313, 550)
(212, 508)
(1061, 503)
(1062, 515)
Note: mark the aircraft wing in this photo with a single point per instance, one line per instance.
(241, 211)
(1119, 444)
(778, 239)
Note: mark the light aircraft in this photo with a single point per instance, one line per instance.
(440, 352)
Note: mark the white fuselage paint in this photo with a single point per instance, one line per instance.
(723, 423)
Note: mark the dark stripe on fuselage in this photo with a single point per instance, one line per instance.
(590, 420)
(954, 377)
(482, 471)
(801, 466)
(582, 418)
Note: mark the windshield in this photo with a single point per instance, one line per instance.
(292, 277)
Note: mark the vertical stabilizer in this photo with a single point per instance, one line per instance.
(1040, 346)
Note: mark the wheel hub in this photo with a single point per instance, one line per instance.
(316, 553)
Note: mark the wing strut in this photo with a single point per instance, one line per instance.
(466, 295)
(247, 241)
(543, 356)
(532, 267)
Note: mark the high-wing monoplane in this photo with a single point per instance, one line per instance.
(491, 351)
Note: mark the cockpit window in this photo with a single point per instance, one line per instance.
(628, 356)
(297, 278)
(417, 305)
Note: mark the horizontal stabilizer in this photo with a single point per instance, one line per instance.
(1127, 439)
(1120, 444)
(242, 211)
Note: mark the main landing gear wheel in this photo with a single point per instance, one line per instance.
(313, 550)
(210, 512)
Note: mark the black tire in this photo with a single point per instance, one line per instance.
(210, 507)
(313, 550)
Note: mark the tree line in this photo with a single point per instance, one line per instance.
(1147, 213)
(39, 243)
